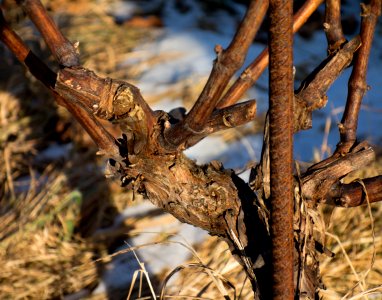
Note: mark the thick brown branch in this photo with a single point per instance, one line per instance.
(229, 117)
(333, 26)
(227, 63)
(63, 50)
(281, 146)
(353, 194)
(312, 93)
(319, 181)
(257, 67)
(357, 82)
(206, 196)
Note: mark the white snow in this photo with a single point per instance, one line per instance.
(156, 257)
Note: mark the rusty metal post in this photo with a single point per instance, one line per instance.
(281, 145)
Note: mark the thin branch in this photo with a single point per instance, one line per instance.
(352, 194)
(25, 56)
(357, 82)
(333, 26)
(105, 141)
(227, 63)
(281, 146)
(42, 72)
(257, 67)
(63, 50)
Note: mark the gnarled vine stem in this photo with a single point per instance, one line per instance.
(148, 157)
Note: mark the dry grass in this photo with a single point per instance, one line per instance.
(196, 280)
(49, 244)
(353, 235)
(38, 248)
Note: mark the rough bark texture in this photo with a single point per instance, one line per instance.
(207, 196)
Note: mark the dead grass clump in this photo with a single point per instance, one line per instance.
(353, 235)
(39, 253)
(357, 264)
(215, 275)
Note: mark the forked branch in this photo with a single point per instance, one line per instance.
(357, 82)
(318, 181)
